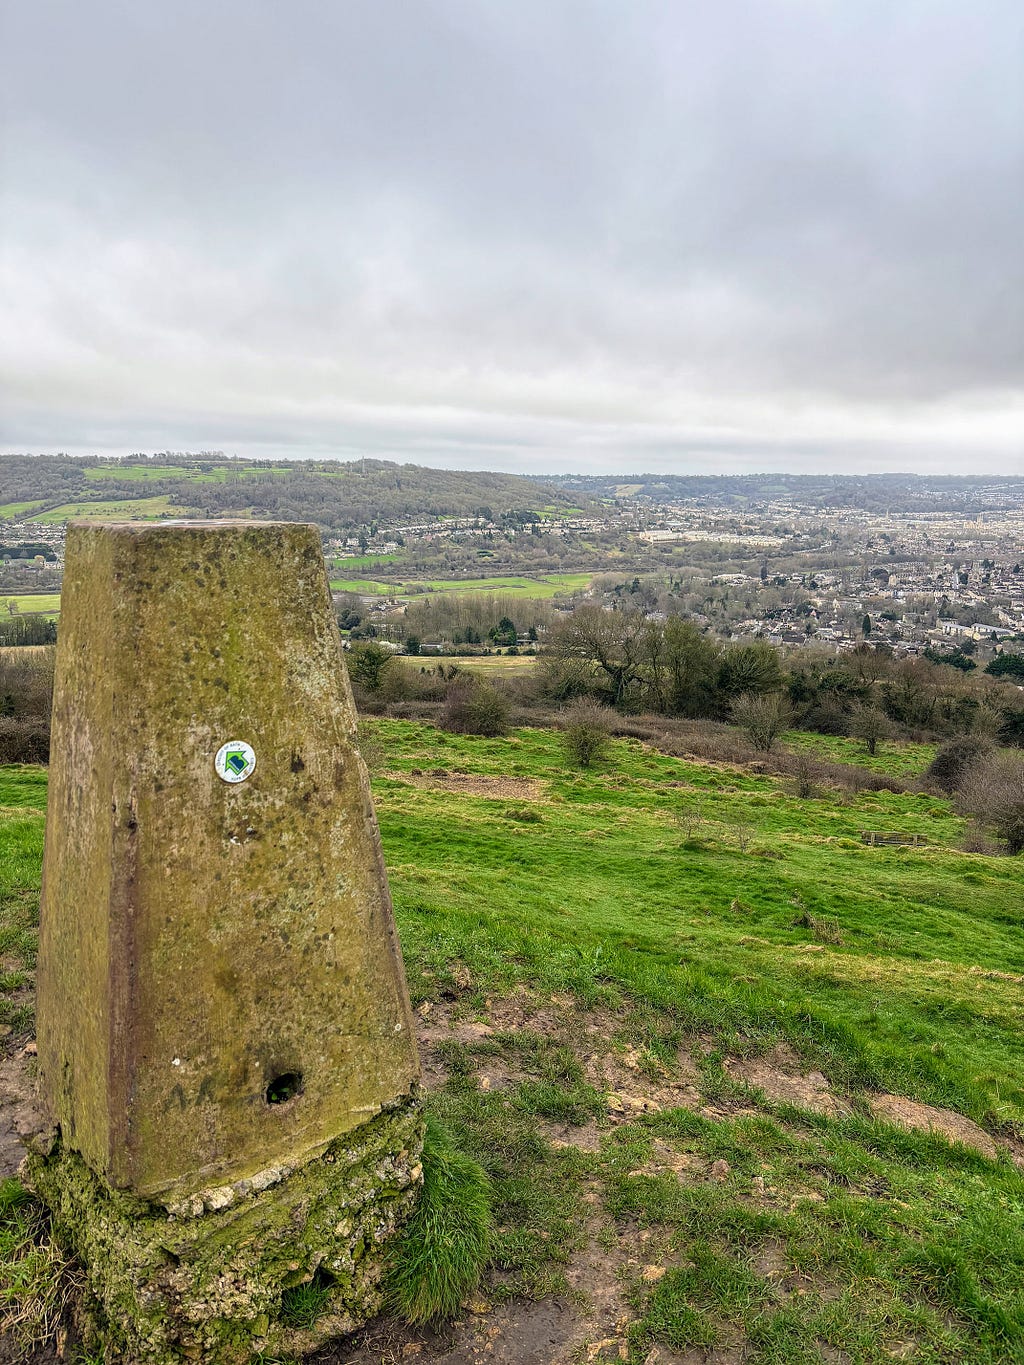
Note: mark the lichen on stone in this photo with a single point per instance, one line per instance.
(167, 1288)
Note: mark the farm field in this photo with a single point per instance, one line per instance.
(128, 509)
(18, 509)
(360, 562)
(42, 603)
(681, 1014)
(500, 665)
(136, 472)
(149, 473)
(545, 585)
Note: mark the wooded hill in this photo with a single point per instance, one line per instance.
(339, 496)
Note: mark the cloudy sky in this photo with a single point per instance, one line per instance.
(523, 234)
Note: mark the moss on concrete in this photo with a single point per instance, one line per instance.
(205, 1282)
(199, 940)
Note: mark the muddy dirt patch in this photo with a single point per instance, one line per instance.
(474, 784)
(513, 1334)
(779, 1075)
(21, 1114)
(926, 1119)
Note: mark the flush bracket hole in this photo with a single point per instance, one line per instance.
(287, 1086)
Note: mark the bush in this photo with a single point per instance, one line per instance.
(763, 716)
(975, 840)
(441, 1255)
(992, 791)
(954, 760)
(869, 724)
(585, 737)
(26, 701)
(369, 665)
(475, 707)
(24, 741)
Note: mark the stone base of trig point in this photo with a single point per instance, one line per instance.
(225, 1039)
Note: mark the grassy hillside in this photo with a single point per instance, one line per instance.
(337, 495)
(674, 1009)
(543, 586)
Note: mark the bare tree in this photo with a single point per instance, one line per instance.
(992, 791)
(763, 716)
(613, 640)
(869, 724)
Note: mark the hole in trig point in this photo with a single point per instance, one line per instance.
(284, 1087)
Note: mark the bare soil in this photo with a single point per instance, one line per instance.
(473, 784)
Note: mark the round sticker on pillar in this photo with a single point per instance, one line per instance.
(235, 761)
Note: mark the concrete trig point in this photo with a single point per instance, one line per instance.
(225, 1038)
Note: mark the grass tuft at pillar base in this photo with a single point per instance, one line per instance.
(279, 1270)
(441, 1255)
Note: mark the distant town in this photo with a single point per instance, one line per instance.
(834, 568)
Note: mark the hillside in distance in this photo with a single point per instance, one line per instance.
(968, 494)
(338, 496)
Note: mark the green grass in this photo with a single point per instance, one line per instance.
(18, 509)
(113, 509)
(443, 1251)
(367, 587)
(898, 759)
(361, 562)
(664, 903)
(136, 473)
(147, 473)
(543, 586)
(684, 885)
(32, 603)
(874, 1238)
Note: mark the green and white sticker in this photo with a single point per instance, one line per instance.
(235, 761)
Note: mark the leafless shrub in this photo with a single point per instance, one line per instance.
(26, 702)
(975, 840)
(371, 746)
(869, 724)
(741, 831)
(803, 773)
(762, 716)
(585, 736)
(692, 821)
(24, 741)
(475, 707)
(954, 760)
(992, 792)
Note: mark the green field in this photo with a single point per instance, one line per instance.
(901, 760)
(366, 587)
(640, 937)
(44, 603)
(545, 585)
(128, 509)
(150, 473)
(18, 509)
(360, 562)
(137, 473)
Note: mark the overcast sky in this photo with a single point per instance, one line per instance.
(537, 235)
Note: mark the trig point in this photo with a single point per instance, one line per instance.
(225, 1038)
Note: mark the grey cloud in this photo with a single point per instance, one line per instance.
(770, 231)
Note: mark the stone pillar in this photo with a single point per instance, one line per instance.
(225, 1038)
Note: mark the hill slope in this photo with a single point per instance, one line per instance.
(338, 496)
(710, 1047)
